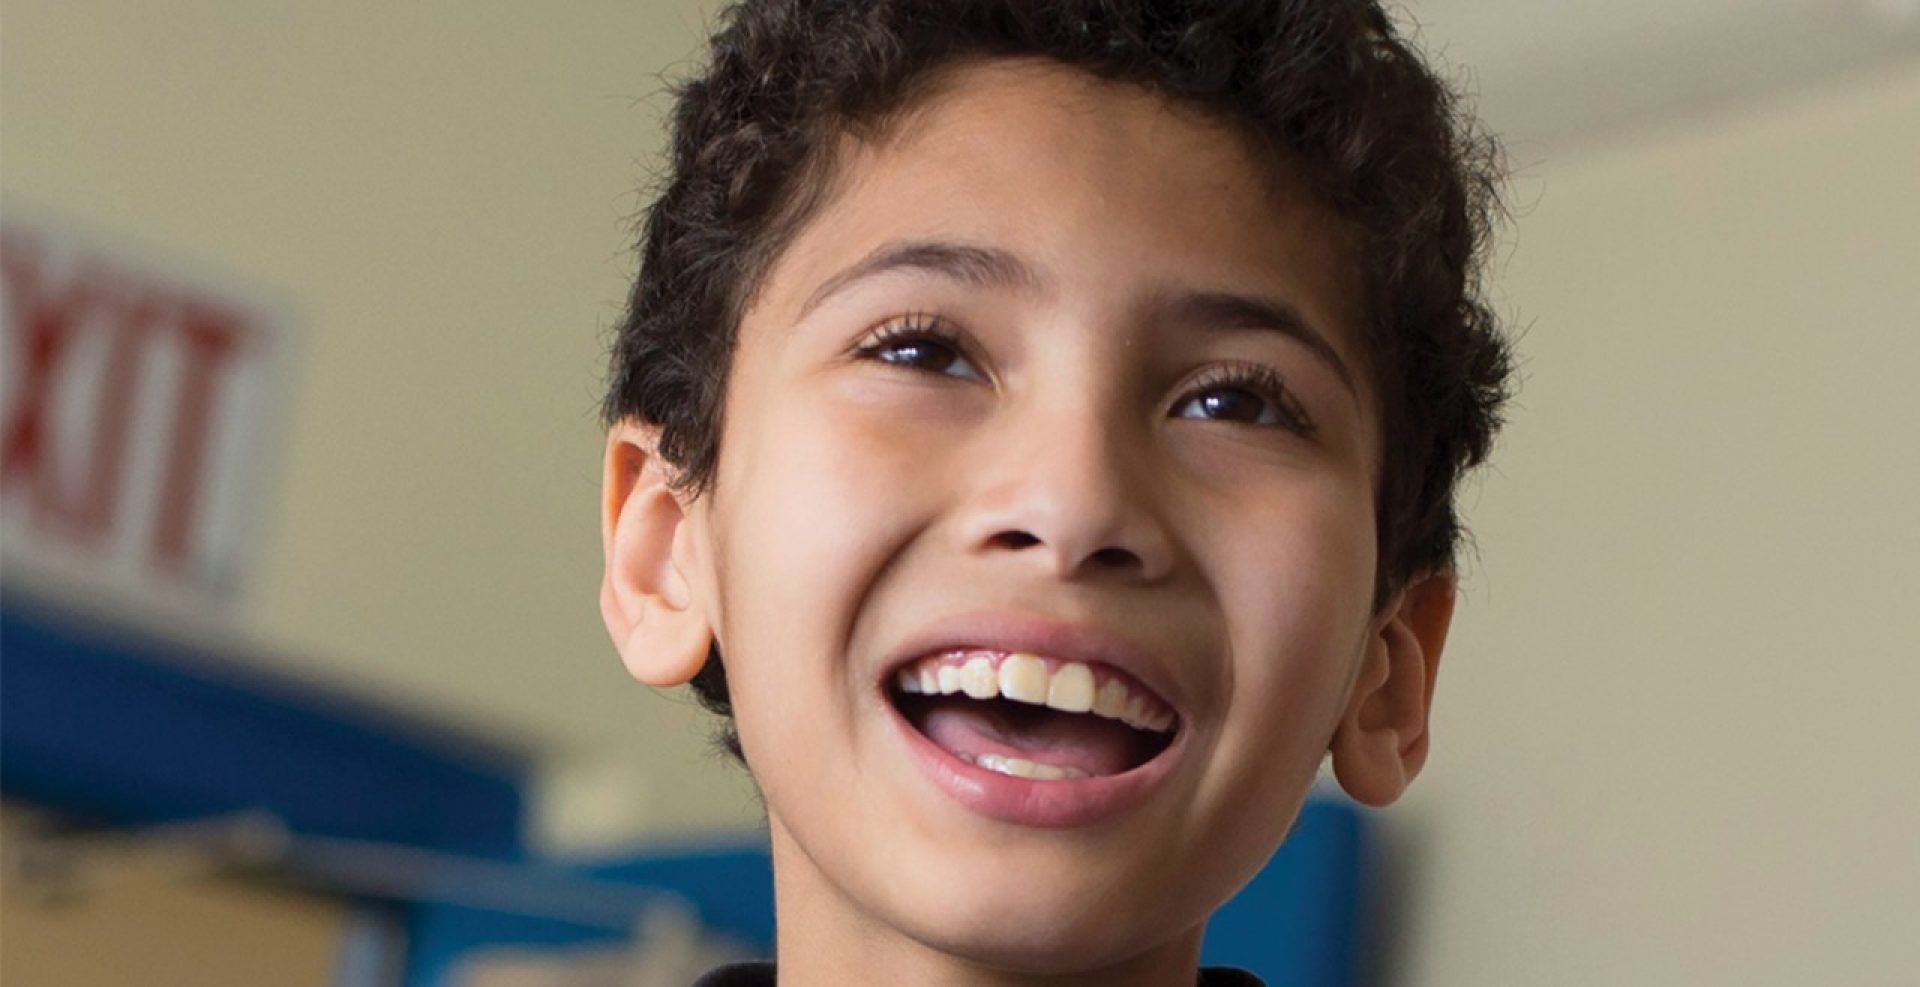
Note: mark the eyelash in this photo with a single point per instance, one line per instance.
(913, 325)
(917, 327)
(1261, 381)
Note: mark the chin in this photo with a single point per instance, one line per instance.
(1080, 945)
(1040, 921)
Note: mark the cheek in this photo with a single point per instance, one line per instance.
(830, 485)
(810, 502)
(1295, 589)
(1298, 598)
(1297, 604)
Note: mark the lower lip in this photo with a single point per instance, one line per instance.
(1058, 804)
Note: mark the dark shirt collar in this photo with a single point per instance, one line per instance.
(761, 975)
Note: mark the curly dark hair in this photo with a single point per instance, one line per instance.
(1380, 140)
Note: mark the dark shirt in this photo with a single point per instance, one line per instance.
(761, 975)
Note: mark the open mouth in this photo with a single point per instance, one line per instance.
(1032, 717)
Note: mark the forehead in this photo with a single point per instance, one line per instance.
(987, 117)
(1103, 186)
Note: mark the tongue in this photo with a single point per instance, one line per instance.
(1093, 744)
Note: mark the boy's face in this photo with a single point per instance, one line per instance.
(1056, 368)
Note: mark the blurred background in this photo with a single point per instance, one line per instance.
(306, 307)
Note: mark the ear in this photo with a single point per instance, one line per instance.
(657, 621)
(1381, 742)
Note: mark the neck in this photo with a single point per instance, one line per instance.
(824, 938)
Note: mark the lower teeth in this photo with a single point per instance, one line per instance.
(1020, 767)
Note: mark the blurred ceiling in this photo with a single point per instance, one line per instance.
(1555, 76)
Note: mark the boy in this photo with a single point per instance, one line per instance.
(1035, 429)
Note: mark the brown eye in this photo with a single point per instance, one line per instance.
(1232, 405)
(930, 355)
(920, 344)
(1244, 395)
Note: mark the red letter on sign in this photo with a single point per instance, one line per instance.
(212, 336)
(46, 321)
(96, 507)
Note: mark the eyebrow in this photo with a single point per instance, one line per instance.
(970, 264)
(1229, 310)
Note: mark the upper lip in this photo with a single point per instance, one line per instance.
(1029, 633)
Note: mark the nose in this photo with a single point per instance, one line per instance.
(1072, 493)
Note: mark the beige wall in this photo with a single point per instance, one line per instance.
(1677, 726)
(442, 195)
(1675, 730)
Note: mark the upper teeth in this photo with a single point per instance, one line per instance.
(1067, 685)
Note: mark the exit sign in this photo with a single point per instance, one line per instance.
(139, 409)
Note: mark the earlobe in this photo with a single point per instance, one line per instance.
(651, 609)
(1381, 742)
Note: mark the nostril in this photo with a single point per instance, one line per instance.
(1015, 539)
(1109, 557)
